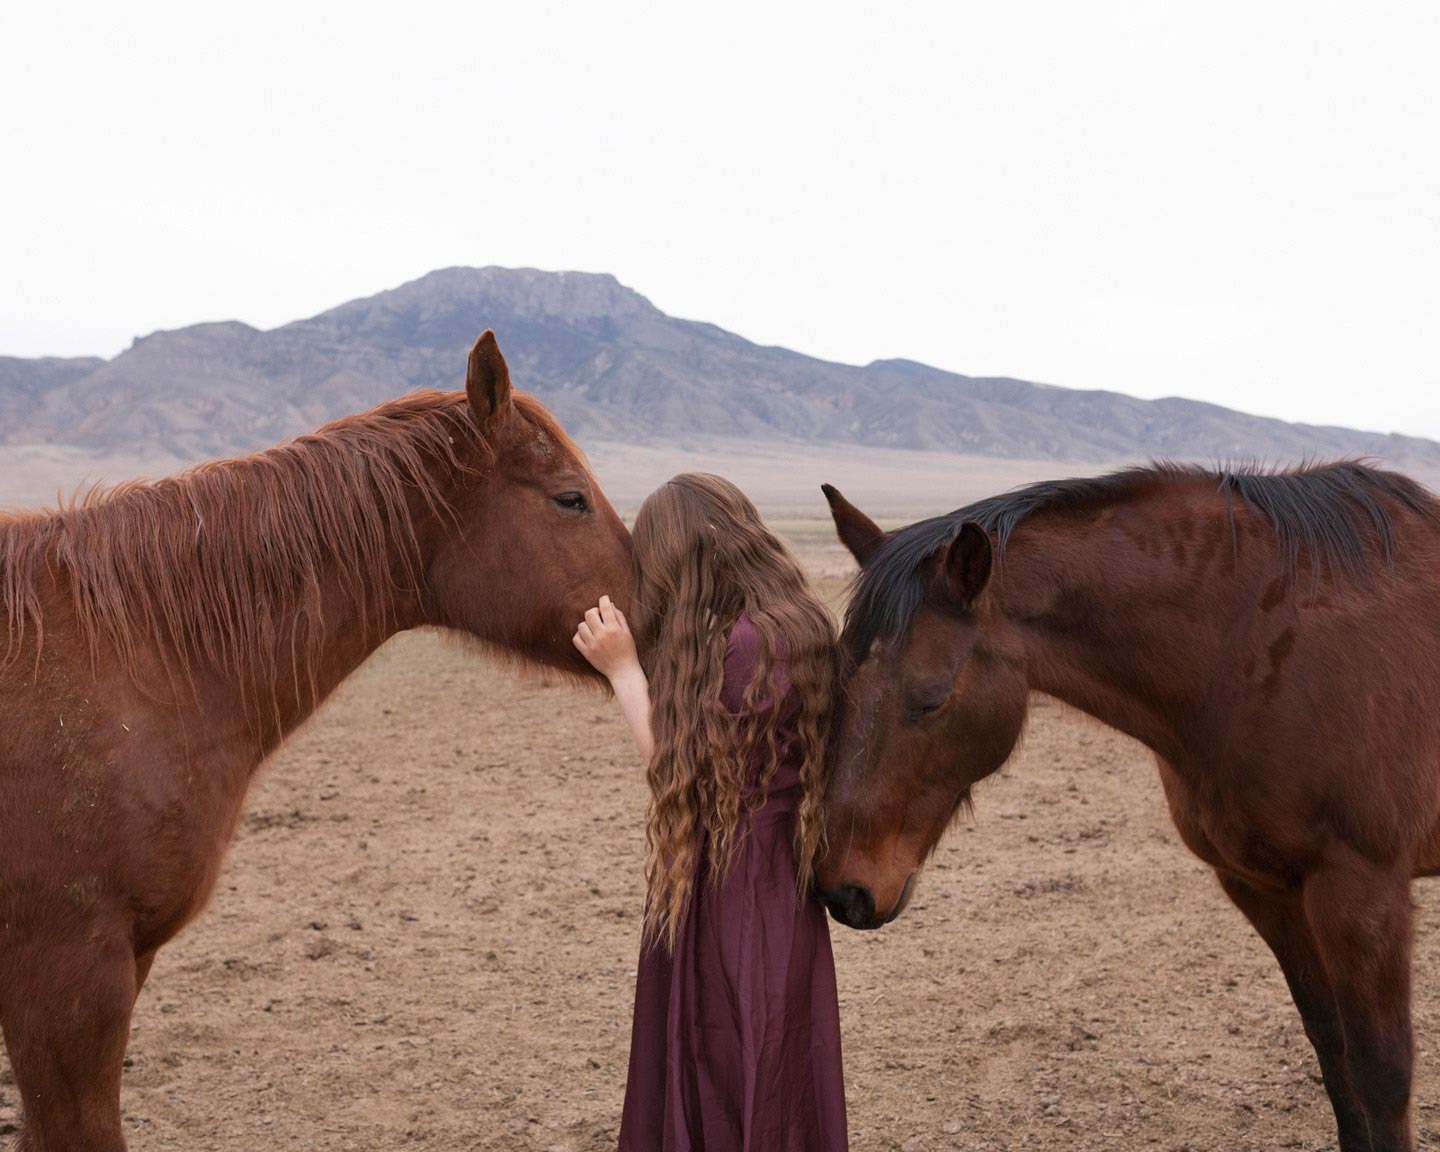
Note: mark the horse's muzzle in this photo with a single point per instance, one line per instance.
(854, 905)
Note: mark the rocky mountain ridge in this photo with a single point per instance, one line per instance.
(613, 367)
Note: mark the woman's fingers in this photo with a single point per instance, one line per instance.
(601, 622)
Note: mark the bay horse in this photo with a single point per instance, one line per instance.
(1274, 639)
(160, 641)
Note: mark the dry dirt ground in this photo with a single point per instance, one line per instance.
(425, 937)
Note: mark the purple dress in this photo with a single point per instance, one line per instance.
(736, 1041)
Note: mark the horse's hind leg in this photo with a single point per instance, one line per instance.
(1362, 920)
(1280, 921)
(66, 1017)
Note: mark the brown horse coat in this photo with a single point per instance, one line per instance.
(158, 641)
(1273, 637)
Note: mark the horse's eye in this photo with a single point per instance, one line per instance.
(929, 708)
(571, 502)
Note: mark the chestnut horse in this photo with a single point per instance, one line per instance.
(162, 639)
(1274, 638)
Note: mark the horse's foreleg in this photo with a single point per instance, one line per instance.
(1280, 921)
(1361, 917)
(66, 1016)
(142, 968)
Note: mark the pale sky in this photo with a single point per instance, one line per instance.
(1237, 202)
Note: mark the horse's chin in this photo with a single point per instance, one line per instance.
(903, 902)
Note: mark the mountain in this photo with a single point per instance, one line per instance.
(613, 367)
(24, 384)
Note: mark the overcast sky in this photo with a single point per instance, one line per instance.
(1238, 202)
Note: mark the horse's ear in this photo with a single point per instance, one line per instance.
(487, 379)
(857, 531)
(967, 563)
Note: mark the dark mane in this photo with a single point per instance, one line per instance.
(1332, 514)
(199, 567)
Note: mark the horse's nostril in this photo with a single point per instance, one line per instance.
(852, 905)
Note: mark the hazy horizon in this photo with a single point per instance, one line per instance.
(802, 351)
(1233, 204)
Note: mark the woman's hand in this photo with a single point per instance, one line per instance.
(604, 639)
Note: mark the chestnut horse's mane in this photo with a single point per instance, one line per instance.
(1334, 514)
(199, 567)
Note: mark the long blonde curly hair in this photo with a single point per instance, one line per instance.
(703, 556)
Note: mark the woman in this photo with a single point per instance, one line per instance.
(736, 1038)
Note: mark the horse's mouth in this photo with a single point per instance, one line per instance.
(902, 902)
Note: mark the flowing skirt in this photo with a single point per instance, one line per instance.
(735, 1045)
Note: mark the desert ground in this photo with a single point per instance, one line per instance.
(426, 935)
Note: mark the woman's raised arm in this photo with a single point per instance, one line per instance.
(604, 639)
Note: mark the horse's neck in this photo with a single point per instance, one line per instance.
(352, 633)
(315, 642)
(1126, 615)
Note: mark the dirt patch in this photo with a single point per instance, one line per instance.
(427, 929)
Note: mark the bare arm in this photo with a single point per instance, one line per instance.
(604, 639)
(632, 692)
